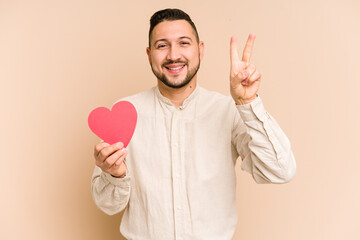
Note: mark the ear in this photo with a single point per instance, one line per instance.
(148, 53)
(201, 49)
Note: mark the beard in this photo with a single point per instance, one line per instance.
(189, 76)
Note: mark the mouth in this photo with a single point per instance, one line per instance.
(175, 68)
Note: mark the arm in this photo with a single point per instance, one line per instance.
(262, 145)
(110, 194)
(110, 184)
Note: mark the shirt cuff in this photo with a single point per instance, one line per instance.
(253, 110)
(117, 181)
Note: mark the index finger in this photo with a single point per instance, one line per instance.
(104, 150)
(233, 51)
(248, 48)
(98, 147)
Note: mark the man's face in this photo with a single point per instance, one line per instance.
(174, 54)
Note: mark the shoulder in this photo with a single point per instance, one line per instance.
(212, 98)
(215, 102)
(141, 99)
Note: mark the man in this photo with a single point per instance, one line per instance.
(178, 180)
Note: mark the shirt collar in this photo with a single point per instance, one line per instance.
(186, 101)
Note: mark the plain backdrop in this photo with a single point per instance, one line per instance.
(61, 59)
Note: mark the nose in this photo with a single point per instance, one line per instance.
(174, 53)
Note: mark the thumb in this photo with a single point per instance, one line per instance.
(244, 74)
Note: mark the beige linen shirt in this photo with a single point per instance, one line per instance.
(181, 177)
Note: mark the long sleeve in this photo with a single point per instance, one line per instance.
(110, 194)
(264, 148)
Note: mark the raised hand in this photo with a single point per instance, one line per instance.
(244, 78)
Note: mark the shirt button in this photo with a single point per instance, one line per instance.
(178, 208)
(175, 145)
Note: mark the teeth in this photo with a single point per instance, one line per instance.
(176, 68)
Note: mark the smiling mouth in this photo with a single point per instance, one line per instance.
(175, 68)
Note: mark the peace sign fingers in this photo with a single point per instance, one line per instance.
(244, 78)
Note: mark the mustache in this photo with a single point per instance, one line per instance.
(173, 62)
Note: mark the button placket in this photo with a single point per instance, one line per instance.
(176, 168)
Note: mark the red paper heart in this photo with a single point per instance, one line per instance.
(115, 125)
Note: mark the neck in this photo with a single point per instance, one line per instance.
(177, 95)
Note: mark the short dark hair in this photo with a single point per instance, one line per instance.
(170, 14)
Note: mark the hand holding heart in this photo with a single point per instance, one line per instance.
(111, 158)
(244, 78)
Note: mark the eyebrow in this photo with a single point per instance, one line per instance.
(165, 40)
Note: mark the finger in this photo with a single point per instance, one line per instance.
(250, 69)
(112, 159)
(98, 147)
(248, 48)
(120, 170)
(247, 73)
(256, 76)
(107, 151)
(121, 160)
(234, 56)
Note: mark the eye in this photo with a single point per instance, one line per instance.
(161, 45)
(184, 43)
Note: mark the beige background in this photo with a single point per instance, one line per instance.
(61, 59)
